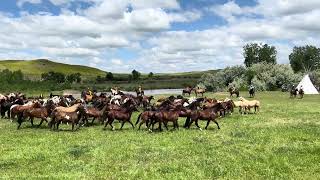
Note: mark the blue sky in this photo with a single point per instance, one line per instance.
(157, 36)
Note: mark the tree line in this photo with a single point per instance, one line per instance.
(261, 69)
(134, 76)
(16, 81)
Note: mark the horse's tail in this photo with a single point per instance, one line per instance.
(138, 118)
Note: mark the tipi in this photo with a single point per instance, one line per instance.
(307, 85)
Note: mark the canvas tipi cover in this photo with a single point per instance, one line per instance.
(307, 85)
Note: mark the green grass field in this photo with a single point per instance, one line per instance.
(280, 142)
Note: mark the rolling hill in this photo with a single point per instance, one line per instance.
(34, 68)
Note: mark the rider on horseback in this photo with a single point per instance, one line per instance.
(89, 92)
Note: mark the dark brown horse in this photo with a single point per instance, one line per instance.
(146, 117)
(124, 114)
(187, 90)
(207, 114)
(165, 116)
(95, 113)
(235, 91)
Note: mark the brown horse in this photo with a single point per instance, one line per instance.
(207, 114)
(95, 113)
(235, 91)
(199, 91)
(124, 114)
(73, 117)
(17, 109)
(146, 118)
(42, 113)
(187, 90)
(165, 116)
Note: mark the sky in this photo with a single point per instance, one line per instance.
(154, 35)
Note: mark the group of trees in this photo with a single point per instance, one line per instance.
(134, 76)
(262, 70)
(16, 81)
(58, 77)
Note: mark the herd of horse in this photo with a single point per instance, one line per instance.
(118, 106)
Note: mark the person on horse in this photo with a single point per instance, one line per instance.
(140, 88)
(89, 92)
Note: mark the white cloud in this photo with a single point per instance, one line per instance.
(94, 35)
(116, 61)
(20, 3)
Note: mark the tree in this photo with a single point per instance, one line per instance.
(99, 79)
(150, 75)
(53, 76)
(305, 58)
(109, 76)
(256, 53)
(135, 75)
(76, 77)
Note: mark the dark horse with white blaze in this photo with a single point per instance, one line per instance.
(251, 91)
(235, 91)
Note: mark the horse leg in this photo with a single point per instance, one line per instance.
(42, 119)
(131, 124)
(207, 124)
(72, 125)
(110, 123)
(166, 125)
(31, 121)
(187, 122)
(160, 126)
(216, 123)
(197, 124)
(176, 124)
(122, 124)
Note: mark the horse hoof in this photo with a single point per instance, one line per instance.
(150, 130)
(200, 129)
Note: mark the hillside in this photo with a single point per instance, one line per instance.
(34, 68)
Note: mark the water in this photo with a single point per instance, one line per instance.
(157, 91)
(146, 92)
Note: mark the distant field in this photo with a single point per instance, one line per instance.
(280, 142)
(34, 68)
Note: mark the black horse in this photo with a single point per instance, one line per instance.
(293, 93)
(301, 93)
(252, 91)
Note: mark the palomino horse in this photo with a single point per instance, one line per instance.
(249, 104)
(199, 91)
(235, 91)
(187, 90)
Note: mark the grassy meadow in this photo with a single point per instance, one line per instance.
(282, 141)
